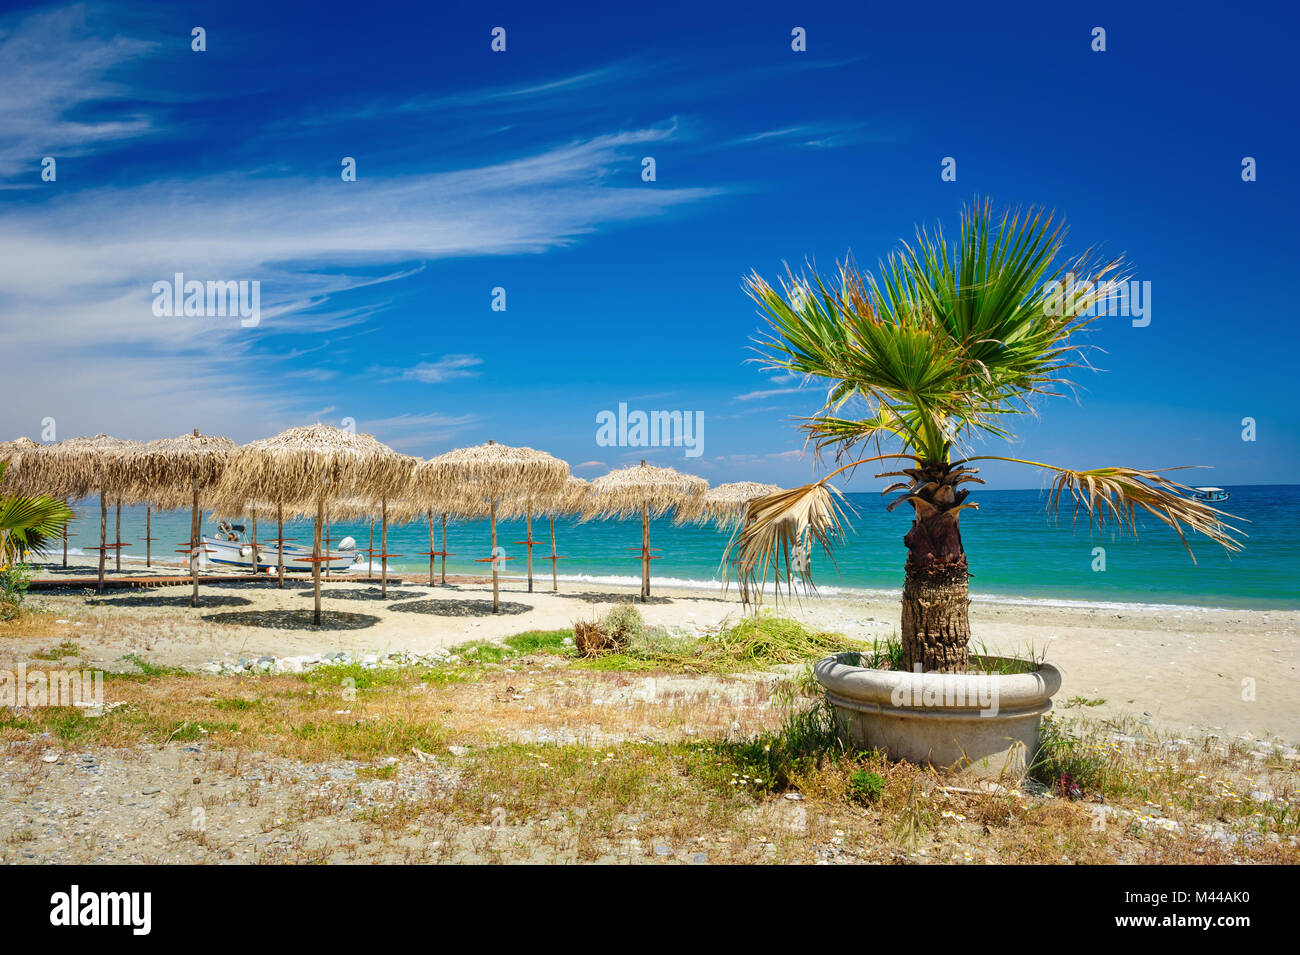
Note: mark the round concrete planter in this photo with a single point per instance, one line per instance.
(984, 724)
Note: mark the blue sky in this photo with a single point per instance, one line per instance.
(522, 170)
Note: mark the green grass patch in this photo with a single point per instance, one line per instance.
(65, 649)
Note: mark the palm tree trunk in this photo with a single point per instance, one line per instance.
(936, 598)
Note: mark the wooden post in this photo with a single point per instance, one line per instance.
(103, 534)
(315, 553)
(327, 542)
(279, 533)
(555, 577)
(496, 596)
(370, 553)
(65, 544)
(444, 549)
(148, 535)
(645, 552)
(431, 557)
(117, 551)
(528, 518)
(383, 544)
(255, 561)
(196, 542)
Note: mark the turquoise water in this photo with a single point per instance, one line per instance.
(1014, 551)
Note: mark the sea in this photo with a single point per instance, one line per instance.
(1017, 553)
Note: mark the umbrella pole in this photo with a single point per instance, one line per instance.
(148, 536)
(117, 551)
(383, 544)
(327, 541)
(65, 544)
(315, 553)
(444, 550)
(279, 533)
(496, 594)
(431, 557)
(645, 553)
(528, 518)
(370, 554)
(555, 579)
(103, 533)
(195, 543)
(255, 562)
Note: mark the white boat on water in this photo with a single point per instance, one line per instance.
(231, 548)
(1211, 495)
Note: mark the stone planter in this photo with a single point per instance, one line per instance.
(983, 724)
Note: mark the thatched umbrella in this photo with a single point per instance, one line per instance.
(79, 467)
(191, 464)
(320, 464)
(492, 473)
(645, 490)
(724, 505)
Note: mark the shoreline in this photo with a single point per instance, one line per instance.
(829, 591)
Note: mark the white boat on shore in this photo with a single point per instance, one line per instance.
(231, 548)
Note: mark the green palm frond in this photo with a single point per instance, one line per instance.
(27, 524)
(949, 339)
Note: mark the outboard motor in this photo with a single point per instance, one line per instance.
(347, 544)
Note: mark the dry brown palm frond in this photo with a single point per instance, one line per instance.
(623, 493)
(724, 505)
(775, 525)
(1114, 495)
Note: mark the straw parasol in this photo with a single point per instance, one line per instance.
(79, 467)
(316, 463)
(26, 482)
(492, 473)
(724, 505)
(169, 469)
(645, 490)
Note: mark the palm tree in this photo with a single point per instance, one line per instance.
(27, 524)
(944, 347)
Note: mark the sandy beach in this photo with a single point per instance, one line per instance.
(1232, 672)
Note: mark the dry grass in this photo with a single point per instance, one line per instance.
(562, 764)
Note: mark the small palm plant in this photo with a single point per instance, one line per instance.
(28, 524)
(945, 346)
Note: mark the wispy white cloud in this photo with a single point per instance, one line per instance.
(446, 368)
(782, 385)
(54, 69)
